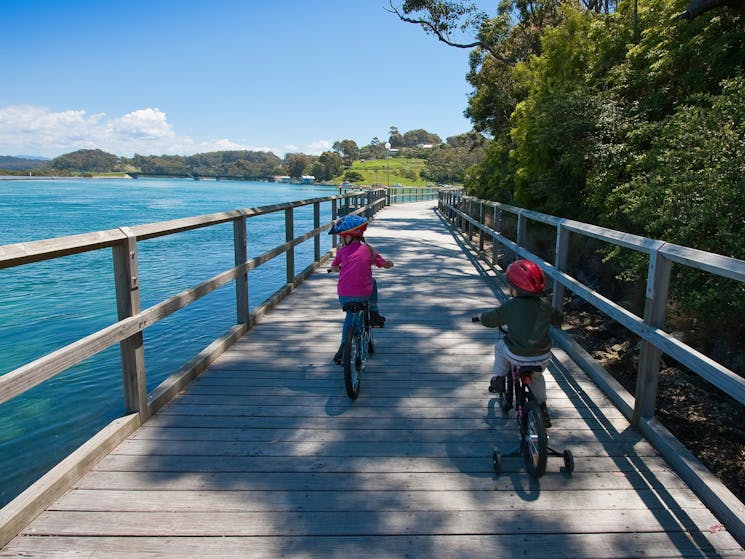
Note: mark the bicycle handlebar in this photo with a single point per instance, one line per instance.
(475, 319)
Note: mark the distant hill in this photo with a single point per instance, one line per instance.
(11, 163)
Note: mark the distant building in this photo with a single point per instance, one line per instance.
(307, 179)
(281, 178)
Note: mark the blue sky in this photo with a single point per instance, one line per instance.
(190, 76)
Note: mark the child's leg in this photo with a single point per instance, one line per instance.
(347, 319)
(501, 366)
(375, 318)
(501, 369)
(374, 297)
(538, 386)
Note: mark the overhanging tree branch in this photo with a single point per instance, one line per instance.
(439, 27)
(697, 7)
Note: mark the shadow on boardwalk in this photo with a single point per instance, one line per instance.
(265, 456)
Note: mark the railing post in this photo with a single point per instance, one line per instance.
(334, 215)
(458, 217)
(562, 256)
(289, 235)
(132, 349)
(481, 221)
(522, 229)
(655, 311)
(316, 225)
(470, 214)
(497, 228)
(240, 250)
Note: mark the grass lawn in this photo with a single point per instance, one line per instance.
(382, 172)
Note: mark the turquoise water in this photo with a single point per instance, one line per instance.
(47, 305)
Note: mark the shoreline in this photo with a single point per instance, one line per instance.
(43, 178)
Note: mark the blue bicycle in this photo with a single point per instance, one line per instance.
(358, 344)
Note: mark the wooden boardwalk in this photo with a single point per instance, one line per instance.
(265, 456)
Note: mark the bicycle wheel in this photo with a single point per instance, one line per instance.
(535, 441)
(352, 361)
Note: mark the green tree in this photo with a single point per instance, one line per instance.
(448, 165)
(348, 149)
(353, 176)
(553, 127)
(296, 163)
(86, 160)
(420, 136)
(395, 138)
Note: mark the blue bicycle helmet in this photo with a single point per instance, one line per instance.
(353, 225)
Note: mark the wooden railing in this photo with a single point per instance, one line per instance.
(661, 255)
(470, 215)
(128, 329)
(403, 194)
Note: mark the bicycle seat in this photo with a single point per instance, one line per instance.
(354, 306)
(526, 369)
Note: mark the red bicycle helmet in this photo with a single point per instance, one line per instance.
(526, 275)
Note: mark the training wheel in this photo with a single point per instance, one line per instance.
(496, 462)
(568, 460)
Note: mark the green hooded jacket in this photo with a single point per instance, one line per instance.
(528, 319)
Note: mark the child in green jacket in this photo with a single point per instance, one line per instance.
(528, 317)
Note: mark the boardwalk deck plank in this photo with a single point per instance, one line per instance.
(265, 456)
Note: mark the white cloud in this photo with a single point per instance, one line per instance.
(319, 146)
(313, 148)
(144, 124)
(33, 130)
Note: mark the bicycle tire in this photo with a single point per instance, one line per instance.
(535, 440)
(352, 361)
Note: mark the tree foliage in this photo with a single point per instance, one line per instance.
(86, 160)
(348, 149)
(629, 115)
(448, 162)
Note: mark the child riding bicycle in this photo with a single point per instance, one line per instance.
(528, 317)
(354, 261)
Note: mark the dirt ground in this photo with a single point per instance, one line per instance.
(710, 424)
